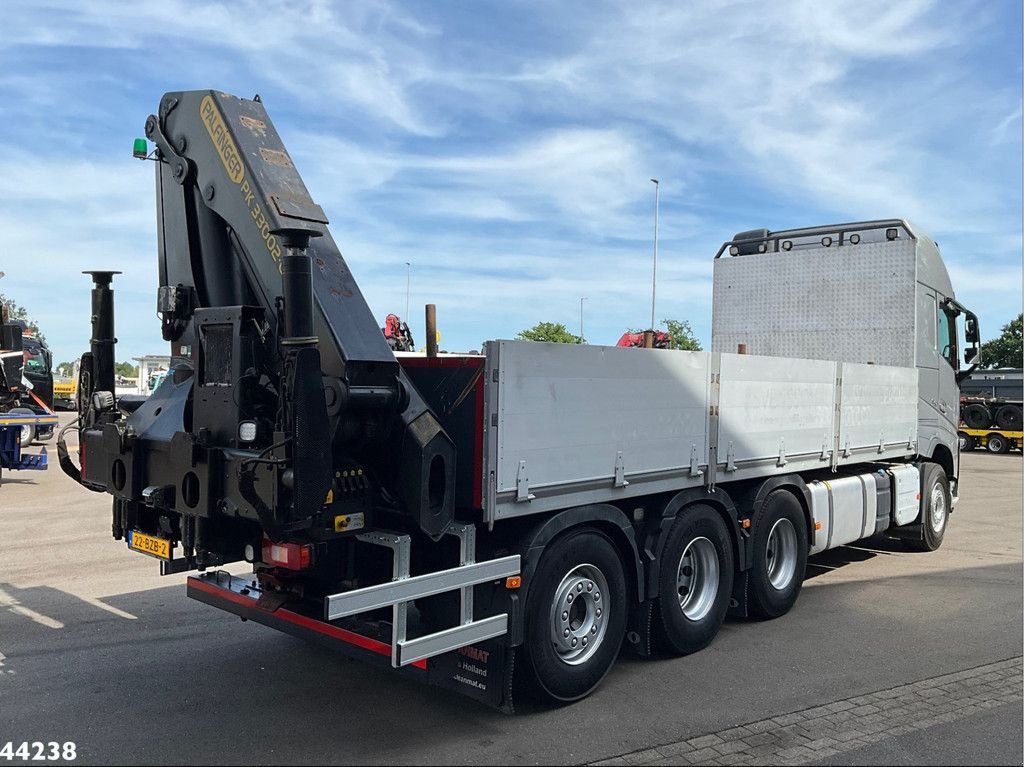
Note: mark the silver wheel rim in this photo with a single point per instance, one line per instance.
(938, 515)
(697, 578)
(26, 432)
(578, 614)
(780, 554)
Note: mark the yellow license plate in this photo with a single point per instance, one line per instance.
(150, 544)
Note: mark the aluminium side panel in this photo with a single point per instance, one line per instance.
(573, 425)
(775, 416)
(877, 412)
(853, 303)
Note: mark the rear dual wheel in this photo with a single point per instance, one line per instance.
(780, 555)
(695, 581)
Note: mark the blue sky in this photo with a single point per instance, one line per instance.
(505, 149)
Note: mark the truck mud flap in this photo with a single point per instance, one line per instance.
(482, 671)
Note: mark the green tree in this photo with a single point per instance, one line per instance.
(65, 369)
(553, 332)
(126, 370)
(16, 312)
(682, 335)
(1006, 351)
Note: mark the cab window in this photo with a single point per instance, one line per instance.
(35, 362)
(947, 337)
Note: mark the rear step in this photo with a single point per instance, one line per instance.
(404, 588)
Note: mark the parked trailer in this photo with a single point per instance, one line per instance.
(506, 522)
(992, 440)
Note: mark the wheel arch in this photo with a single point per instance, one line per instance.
(605, 518)
(656, 531)
(943, 456)
(793, 483)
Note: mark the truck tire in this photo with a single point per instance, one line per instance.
(28, 431)
(1009, 417)
(935, 506)
(780, 555)
(695, 581)
(966, 441)
(575, 615)
(997, 443)
(976, 416)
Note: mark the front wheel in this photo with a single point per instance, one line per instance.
(935, 507)
(575, 615)
(780, 555)
(696, 577)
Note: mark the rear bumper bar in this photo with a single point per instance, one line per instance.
(242, 597)
(482, 671)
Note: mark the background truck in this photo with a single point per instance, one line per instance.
(31, 393)
(506, 522)
(18, 425)
(991, 403)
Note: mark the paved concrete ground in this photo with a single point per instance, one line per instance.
(96, 648)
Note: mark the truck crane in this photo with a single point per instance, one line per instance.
(505, 522)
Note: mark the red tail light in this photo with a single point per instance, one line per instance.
(291, 556)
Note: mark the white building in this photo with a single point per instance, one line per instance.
(149, 366)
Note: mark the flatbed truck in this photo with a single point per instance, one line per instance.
(505, 523)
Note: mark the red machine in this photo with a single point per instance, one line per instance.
(398, 335)
(662, 340)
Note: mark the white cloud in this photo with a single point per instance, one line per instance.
(511, 168)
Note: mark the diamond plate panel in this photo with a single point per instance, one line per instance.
(851, 304)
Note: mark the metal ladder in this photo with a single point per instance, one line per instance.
(404, 588)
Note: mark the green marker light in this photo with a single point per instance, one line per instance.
(140, 149)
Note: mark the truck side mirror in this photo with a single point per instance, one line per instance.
(970, 353)
(971, 334)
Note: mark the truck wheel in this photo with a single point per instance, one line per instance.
(780, 555)
(935, 505)
(695, 582)
(976, 416)
(575, 615)
(28, 431)
(1009, 417)
(997, 443)
(966, 441)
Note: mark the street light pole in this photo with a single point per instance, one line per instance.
(582, 299)
(654, 277)
(408, 274)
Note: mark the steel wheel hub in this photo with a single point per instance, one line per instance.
(578, 614)
(780, 554)
(938, 515)
(697, 578)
